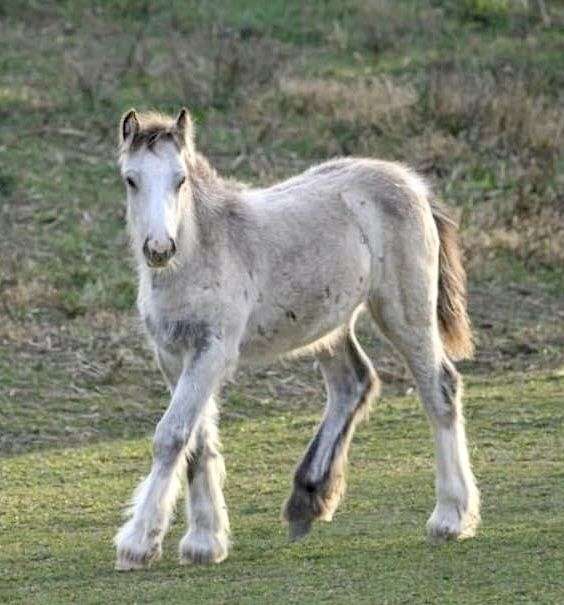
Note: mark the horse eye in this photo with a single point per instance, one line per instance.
(180, 183)
(130, 182)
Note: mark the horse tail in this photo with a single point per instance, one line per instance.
(454, 323)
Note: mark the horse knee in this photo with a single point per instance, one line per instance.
(168, 443)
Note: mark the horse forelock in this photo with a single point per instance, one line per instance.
(153, 127)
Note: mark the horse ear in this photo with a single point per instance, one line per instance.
(129, 125)
(184, 125)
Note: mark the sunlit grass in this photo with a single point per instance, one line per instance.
(60, 508)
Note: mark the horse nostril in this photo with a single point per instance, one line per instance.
(146, 250)
(172, 251)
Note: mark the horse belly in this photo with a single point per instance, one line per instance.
(304, 312)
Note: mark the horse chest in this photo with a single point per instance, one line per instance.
(176, 335)
(182, 317)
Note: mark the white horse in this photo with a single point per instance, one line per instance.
(229, 274)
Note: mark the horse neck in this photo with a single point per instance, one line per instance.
(210, 200)
(208, 188)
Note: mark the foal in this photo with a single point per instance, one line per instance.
(229, 274)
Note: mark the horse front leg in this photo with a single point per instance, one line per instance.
(139, 541)
(207, 540)
(171, 367)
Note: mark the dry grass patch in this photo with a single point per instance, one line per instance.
(534, 238)
(510, 141)
(369, 101)
(518, 119)
(234, 66)
(385, 24)
(498, 108)
(437, 153)
(332, 117)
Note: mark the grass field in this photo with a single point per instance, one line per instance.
(470, 93)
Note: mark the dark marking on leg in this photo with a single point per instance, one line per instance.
(182, 332)
(291, 315)
(193, 460)
(450, 384)
(318, 500)
(306, 503)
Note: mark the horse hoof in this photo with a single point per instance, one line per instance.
(299, 529)
(135, 549)
(134, 560)
(125, 563)
(447, 525)
(200, 548)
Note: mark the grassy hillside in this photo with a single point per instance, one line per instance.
(470, 93)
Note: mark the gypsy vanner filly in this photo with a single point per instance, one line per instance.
(230, 274)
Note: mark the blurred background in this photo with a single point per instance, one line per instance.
(468, 92)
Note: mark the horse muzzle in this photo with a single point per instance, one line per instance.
(158, 254)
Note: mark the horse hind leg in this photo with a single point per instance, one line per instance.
(319, 481)
(456, 514)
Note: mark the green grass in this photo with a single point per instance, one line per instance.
(60, 508)
(79, 394)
